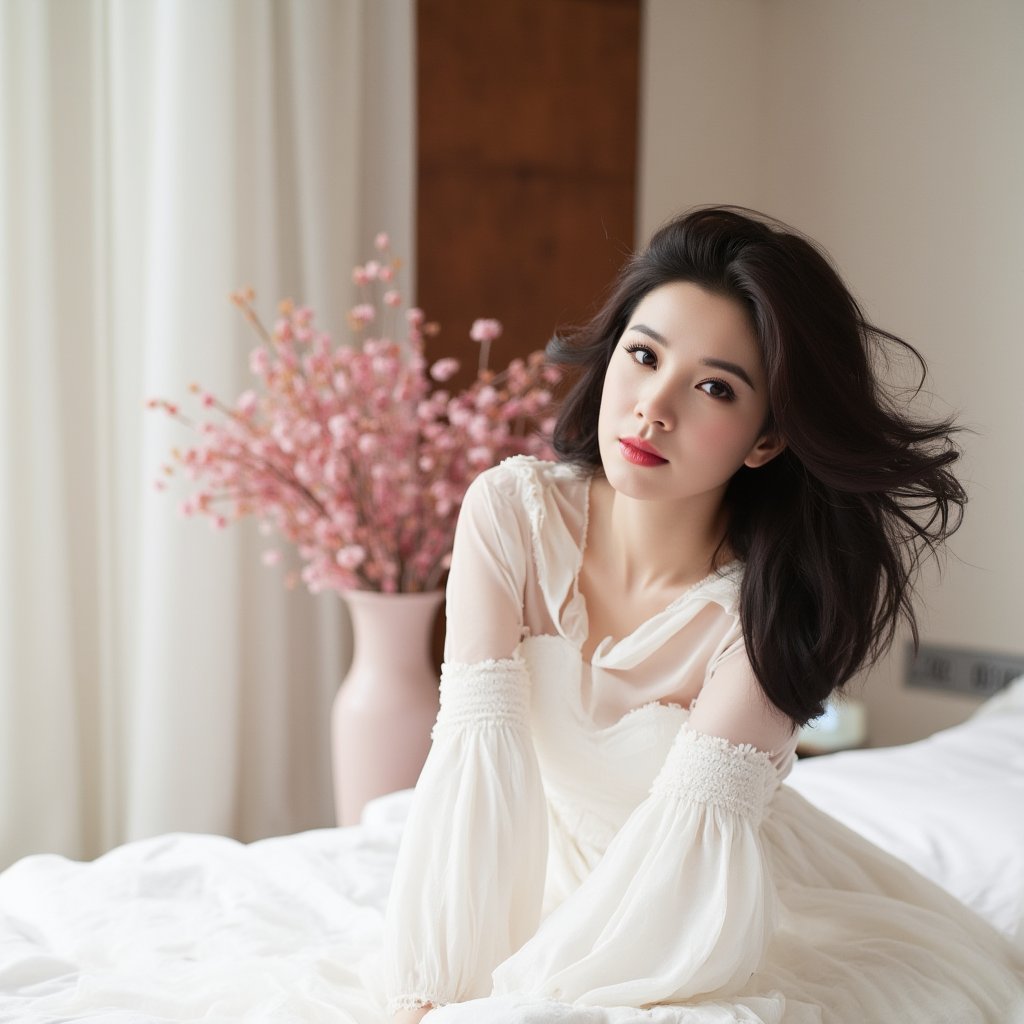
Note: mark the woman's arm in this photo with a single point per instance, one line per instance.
(470, 876)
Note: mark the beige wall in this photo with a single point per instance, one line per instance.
(892, 132)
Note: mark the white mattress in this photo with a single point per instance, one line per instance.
(202, 928)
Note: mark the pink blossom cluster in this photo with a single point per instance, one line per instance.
(357, 455)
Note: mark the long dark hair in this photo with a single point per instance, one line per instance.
(832, 530)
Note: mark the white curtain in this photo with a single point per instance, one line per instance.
(157, 154)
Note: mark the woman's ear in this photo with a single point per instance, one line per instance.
(768, 446)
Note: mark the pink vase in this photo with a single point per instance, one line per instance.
(387, 704)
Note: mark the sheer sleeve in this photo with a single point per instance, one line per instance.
(470, 874)
(484, 598)
(682, 904)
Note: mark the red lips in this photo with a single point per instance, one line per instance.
(639, 452)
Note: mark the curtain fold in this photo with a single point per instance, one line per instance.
(154, 676)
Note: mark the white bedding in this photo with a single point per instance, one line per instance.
(202, 928)
(951, 805)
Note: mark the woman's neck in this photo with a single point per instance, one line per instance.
(655, 544)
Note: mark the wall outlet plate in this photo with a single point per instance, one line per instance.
(960, 670)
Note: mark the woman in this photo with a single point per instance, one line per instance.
(635, 635)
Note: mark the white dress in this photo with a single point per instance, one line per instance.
(579, 852)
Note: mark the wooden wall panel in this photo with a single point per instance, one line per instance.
(527, 145)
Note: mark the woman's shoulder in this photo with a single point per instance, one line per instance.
(723, 586)
(529, 480)
(546, 501)
(529, 468)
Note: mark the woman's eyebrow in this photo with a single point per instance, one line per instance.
(733, 368)
(718, 364)
(649, 331)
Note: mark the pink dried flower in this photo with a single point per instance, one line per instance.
(351, 556)
(362, 314)
(340, 427)
(444, 369)
(485, 330)
(486, 397)
(381, 242)
(259, 361)
(247, 402)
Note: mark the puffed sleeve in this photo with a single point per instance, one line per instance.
(682, 904)
(470, 876)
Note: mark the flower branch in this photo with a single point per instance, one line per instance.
(356, 454)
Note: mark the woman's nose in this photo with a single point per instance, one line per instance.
(654, 406)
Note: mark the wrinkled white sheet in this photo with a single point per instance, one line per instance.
(202, 928)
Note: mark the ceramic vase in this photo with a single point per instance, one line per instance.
(388, 701)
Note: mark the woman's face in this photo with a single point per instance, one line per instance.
(685, 397)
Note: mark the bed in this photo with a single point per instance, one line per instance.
(203, 928)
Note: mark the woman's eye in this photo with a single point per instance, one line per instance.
(717, 389)
(641, 354)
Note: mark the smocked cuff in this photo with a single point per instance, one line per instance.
(483, 693)
(706, 769)
(413, 1001)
